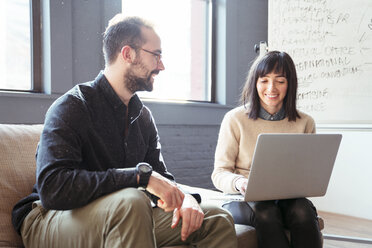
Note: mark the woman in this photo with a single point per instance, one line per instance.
(268, 106)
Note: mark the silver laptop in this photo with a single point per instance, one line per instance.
(288, 166)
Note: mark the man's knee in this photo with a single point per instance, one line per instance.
(218, 214)
(129, 221)
(218, 229)
(129, 199)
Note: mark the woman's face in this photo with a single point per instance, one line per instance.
(272, 89)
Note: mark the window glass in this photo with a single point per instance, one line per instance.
(15, 43)
(184, 29)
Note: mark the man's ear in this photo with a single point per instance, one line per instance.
(128, 54)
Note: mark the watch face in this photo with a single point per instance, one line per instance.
(145, 168)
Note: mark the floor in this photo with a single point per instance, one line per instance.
(341, 225)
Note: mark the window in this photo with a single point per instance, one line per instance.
(184, 27)
(15, 45)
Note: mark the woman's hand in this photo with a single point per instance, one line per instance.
(241, 185)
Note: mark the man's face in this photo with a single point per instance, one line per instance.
(147, 63)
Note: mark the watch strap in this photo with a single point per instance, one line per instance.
(144, 179)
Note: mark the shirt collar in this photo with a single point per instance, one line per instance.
(135, 104)
(280, 115)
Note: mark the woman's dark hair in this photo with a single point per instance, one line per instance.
(120, 32)
(277, 62)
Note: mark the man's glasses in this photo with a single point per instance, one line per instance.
(157, 55)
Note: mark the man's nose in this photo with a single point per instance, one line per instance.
(160, 66)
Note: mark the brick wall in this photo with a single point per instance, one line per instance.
(188, 152)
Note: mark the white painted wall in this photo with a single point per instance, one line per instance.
(350, 187)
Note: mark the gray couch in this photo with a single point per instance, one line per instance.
(17, 176)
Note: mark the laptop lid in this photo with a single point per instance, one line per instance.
(288, 166)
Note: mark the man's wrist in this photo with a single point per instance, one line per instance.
(144, 171)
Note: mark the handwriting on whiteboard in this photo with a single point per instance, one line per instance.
(330, 42)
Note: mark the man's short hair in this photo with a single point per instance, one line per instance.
(122, 31)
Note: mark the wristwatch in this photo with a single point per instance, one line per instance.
(144, 171)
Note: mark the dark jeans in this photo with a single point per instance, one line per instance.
(271, 218)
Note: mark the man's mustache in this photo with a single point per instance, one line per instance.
(156, 72)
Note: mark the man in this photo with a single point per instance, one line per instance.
(98, 146)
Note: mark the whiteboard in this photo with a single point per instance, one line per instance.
(330, 42)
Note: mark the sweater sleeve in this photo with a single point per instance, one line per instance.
(310, 125)
(224, 176)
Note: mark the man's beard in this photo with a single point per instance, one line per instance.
(135, 83)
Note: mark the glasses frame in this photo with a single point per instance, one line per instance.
(157, 55)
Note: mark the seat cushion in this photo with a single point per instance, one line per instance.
(246, 236)
(17, 173)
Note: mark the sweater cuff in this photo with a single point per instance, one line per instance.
(234, 183)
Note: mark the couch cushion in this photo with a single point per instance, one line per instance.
(246, 236)
(17, 173)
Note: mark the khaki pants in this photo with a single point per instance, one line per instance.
(122, 219)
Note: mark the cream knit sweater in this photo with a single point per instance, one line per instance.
(237, 140)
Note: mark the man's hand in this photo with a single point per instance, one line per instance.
(192, 216)
(241, 185)
(170, 195)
